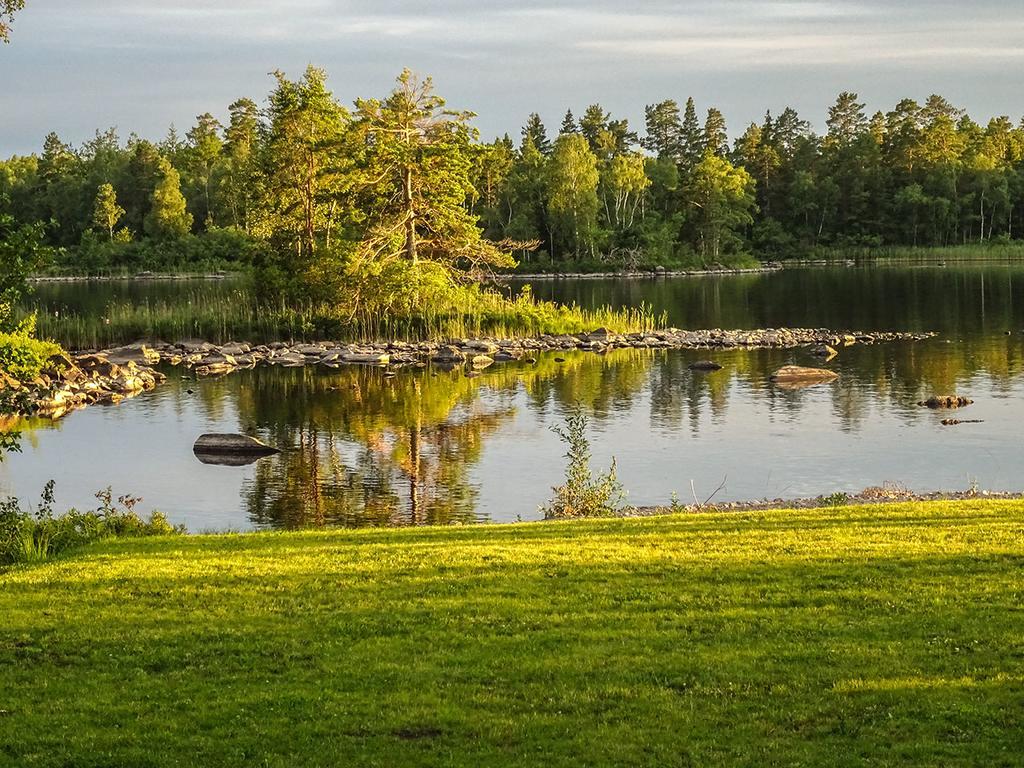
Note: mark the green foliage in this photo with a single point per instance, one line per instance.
(168, 217)
(21, 252)
(583, 495)
(324, 191)
(31, 536)
(213, 251)
(445, 313)
(7, 10)
(106, 211)
(572, 181)
(21, 354)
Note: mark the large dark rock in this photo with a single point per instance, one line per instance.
(946, 401)
(705, 365)
(232, 444)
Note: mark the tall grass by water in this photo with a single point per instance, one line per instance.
(967, 252)
(239, 315)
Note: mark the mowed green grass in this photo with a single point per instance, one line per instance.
(890, 635)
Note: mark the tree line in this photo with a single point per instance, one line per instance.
(307, 185)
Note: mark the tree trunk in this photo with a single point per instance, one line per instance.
(410, 216)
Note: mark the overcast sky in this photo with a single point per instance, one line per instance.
(77, 65)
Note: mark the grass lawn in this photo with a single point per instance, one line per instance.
(889, 635)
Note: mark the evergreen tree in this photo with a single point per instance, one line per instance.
(535, 131)
(242, 150)
(568, 124)
(664, 131)
(692, 136)
(202, 154)
(716, 138)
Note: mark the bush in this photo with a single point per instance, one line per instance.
(217, 249)
(581, 495)
(21, 354)
(33, 536)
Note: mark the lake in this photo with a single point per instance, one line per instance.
(438, 447)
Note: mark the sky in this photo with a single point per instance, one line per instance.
(75, 66)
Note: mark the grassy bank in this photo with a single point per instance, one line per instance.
(885, 635)
(239, 315)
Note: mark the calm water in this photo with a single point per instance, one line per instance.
(438, 447)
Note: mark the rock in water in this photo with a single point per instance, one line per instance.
(234, 445)
(705, 365)
(946, 401)
(798, 376)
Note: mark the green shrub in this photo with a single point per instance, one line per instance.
(33, 536)
(21, 354)
(581, 495)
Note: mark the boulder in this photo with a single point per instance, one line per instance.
(98, 365)
(234, 349)
(232, 444)
(797, 376)
(449, 355)
(946, 401)
(218, 359)
(482, 361)
(825, 351)
(481, 346)
(371, 358)
(138, 353)
(705, 365)
(214, 369)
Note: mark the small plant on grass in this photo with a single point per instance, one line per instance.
(28, 536)
(583, 495)
(837, 499)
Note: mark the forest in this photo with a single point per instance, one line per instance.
(307, 185)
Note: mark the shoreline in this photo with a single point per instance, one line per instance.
(873, 496)
(111, 375)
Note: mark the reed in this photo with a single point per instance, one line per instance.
(240, 315)
(987, 252)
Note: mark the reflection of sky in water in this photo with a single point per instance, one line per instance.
(663, 423)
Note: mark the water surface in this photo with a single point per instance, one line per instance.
(434, 446)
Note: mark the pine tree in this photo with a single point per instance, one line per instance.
(537, 133)
(568, 124)
(692, 136)
(716, 138)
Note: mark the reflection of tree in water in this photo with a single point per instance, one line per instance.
(365, 449)
(362, 449)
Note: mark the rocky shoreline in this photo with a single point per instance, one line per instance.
(657, 272)
(887, 494)
(111, 375)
